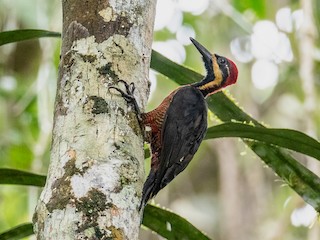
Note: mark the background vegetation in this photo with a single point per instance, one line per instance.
(226, 191)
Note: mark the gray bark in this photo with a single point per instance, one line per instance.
(96, 173)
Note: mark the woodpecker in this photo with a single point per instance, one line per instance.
(178, 125)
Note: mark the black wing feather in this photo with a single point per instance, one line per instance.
(183, 129)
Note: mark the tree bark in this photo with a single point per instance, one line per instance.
(96, 173)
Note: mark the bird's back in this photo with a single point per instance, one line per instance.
(183, 129)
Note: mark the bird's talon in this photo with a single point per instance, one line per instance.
(132, 86)
(129, 97)
(129, 90)
(129, 87)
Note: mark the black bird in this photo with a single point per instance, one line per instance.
(178, 125)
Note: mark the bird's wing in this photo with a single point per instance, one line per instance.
(184, 127)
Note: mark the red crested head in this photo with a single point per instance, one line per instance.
(232, 74)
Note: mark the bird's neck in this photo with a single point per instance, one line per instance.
(207, 86)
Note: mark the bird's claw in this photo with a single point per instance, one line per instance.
(128, 95)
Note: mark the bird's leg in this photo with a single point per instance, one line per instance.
(129, 97)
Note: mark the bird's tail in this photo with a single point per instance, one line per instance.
(148, 189)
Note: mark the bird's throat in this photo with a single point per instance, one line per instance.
(208, 87)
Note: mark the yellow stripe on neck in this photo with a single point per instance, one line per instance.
(218, 76)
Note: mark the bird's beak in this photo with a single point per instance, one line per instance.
(206, 55)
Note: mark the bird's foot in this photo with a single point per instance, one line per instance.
(128, 95)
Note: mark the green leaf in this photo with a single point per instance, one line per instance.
(11, 176)
(18, 232)
(170, 225)
(286, 138)
(25, 34)
(298, 177)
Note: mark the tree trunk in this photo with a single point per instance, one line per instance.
(96, 174)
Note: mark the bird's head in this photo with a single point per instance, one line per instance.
(221, 71)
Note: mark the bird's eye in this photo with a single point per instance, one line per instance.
(221, 61)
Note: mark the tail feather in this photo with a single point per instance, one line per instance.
(148, 189)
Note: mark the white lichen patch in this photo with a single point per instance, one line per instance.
(108, 14)
(80, 186)
(68, 218)
(127, 54)
(117, 50)
(100, 176)
(126, 8)
(104, 221)
(124, 201)
(90, 233)
(86, 46)
(138, 18)
(126, 198)
(46, 195)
